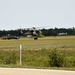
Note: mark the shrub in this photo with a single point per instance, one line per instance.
(56, 59)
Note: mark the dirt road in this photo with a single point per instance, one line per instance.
(22, 71)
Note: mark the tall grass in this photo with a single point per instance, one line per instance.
(39, 58)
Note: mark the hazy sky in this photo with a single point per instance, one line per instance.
(36, 13)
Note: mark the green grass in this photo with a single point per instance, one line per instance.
(35, 53)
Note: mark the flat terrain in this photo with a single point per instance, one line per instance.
(22, 71)
(67, 42)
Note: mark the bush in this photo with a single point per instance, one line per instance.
(56, 59)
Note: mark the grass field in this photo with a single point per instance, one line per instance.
(67, 42)
(35, 53)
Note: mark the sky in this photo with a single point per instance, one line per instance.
(15, 14)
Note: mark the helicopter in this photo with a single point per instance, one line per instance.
(32, 32)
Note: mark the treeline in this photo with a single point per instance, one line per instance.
(58, 31)
(46, 32)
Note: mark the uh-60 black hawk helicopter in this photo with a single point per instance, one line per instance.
(32, 32)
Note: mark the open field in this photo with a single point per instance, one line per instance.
(67, 42)
(35, 53)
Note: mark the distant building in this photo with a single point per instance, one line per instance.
(62, 34)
